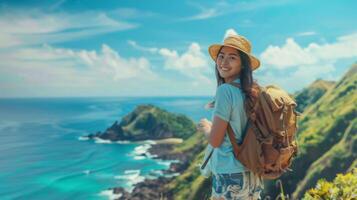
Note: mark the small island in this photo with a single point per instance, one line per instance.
(174, 137)
(148, 122)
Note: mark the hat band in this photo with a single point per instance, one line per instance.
(239, 46)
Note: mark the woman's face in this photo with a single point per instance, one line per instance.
(229, 63)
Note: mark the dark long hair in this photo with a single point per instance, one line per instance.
(246, 76)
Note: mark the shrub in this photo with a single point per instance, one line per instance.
(344, 186)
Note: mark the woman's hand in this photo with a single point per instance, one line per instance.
(204, 126)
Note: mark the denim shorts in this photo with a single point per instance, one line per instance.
(244, 185)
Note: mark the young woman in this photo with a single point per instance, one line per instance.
(234, 63)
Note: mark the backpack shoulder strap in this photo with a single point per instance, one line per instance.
(206, 161)
(236, 148)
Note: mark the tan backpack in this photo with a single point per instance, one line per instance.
(269, 141)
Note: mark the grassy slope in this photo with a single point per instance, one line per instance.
(322, 126)
(338, 159)
(312, 93)
(190, 185)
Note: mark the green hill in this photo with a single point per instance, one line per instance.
(337, 159)
(149, 122)
(312, 93)
(326, 138)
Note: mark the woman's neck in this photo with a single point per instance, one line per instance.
(230, 79)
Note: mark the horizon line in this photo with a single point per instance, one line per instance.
(67, 97)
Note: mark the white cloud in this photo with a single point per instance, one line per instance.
(193, 58)
(293, 66)
(141, 48)
(34, 69)
(57, 4)
(289, 55)
(204, 14)
(192, 63)
(219, 8)
(51, 71)
(33, 27)
(292, 54)
(129, 13)
(230, 32)
(307, 33)
(299, 78)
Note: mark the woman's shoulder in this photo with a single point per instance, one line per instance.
(227, 88)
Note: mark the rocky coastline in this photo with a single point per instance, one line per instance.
(148, 122)
(155, 188)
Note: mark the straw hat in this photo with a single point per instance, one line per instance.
(238, 42)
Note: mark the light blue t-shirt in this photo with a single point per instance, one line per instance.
(229, 106)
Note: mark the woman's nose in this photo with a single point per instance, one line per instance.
(223, 62)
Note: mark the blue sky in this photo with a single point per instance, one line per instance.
(159, 48)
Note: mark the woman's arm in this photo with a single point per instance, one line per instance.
(222, 112)
(216, 136)
(214, 131)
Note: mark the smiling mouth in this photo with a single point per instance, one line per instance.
(224, 68)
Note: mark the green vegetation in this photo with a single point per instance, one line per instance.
(196, 140)
(339, 158)
(312, 94)
(342, 187)
(189, 184)
(322, 129)
(149, 120)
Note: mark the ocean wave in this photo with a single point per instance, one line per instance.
(102, 141)
(142, 149)
(110, 194)
(164, 162)
(141, 152)
(123, 142)
(9, 124)
(66, 177)
(88, 155)
(139, 157)
(130, 177)
(156, 173)
(109, 166)
(83, 138)
(61, 127)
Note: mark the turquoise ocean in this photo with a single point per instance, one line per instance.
(45, 156)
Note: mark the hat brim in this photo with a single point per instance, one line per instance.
(213, 51)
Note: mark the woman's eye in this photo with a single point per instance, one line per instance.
(232, 58)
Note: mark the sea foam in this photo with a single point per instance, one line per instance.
(130, 177)
(110, 194)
